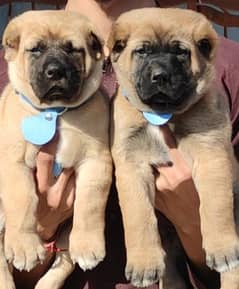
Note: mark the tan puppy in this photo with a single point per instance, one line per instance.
(163, 61)
(55, 61)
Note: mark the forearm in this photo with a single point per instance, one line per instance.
(92, 10)
(49, 219)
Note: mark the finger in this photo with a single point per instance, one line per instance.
(57, 191)
(44, 165)
(162, 183)
(168, 136)
(68, 197)
(70, 192)
(178, 172)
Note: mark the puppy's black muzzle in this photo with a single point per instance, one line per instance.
(56, 77)
(164, 82)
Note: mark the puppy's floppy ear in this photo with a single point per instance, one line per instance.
(117, 41)
(11, 39)
(206, 39)
(95, 44)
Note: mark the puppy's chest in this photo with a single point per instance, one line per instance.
(72, 141)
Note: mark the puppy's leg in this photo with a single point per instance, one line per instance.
(6, 280)
(145, 256)
(62, 266)
(93, 180)
(213, 177)
(22, 245)
(57, 274)
(230, 279)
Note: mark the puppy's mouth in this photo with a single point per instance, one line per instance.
(57, 93)
(171, 100)
(161, 102)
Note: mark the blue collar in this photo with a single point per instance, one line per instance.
(58, 110)
(152, 117)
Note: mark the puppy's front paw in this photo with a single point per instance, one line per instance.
(223, 258)
(87, 252)
(145, 266)
(24, 250)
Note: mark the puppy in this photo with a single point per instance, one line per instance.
(55, 63)
(163, 61)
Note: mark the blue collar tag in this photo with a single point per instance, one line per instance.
(41, 128)
(157, 119)
(57, 169)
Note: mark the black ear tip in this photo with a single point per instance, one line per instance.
(205, 47)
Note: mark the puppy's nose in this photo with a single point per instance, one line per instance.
(55, 71)
(159, 77)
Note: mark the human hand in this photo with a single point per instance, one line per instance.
(178, 200)
(177, 197)
(56, 195)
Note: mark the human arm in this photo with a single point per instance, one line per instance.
(56, 196)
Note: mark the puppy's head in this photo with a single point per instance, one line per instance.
(54, 57)
(163, 57)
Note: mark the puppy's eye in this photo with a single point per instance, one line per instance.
(204, 47)
(70, 49)
(119, 46)
(143, 50)
(75, 50)
(36, 50)
(179, 50)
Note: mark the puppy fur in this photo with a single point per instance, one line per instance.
(55, 60)
(163, 59)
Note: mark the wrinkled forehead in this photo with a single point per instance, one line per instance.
(160, 34)
(164, 25)
(50, 34)
(52, 26)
